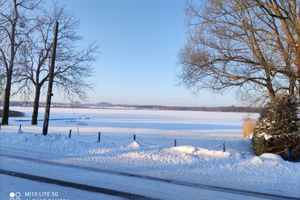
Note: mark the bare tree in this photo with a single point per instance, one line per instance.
(73, 63)
(1, 85)
(14, 26)
(283, 18)
(244, 44)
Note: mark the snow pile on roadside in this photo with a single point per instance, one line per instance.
(50, 145)
(134, 145)
(204, 153)
(267, 158)
(271, 156)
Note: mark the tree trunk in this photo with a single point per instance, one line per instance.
(269, 84)
(36, 103)
(9, 72)
(292, 87)
(5, 114)
(271, 92)
(298, 89)
(298, 72)
(297, 61)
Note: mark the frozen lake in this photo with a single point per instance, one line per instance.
(138, 119)
(154, 123)
(158, 127)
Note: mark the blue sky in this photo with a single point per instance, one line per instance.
(139, 42)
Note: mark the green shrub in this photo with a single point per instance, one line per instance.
(277, 129)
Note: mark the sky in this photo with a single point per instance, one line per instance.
(139, 43)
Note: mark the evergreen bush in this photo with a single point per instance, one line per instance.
(277, 129)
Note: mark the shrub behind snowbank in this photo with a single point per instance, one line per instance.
(277, 130)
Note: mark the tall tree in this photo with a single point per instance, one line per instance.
(283, 17)
(1, 86)
(244, 44)
(14, 26)
(73, 63)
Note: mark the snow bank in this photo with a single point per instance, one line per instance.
(134, 145)
(205, 153)
(271, 156)
(256, 161)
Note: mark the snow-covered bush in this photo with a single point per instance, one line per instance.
(277, 129)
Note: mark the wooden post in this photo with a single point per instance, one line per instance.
(99, 137)
(50, 84)
(175, 143)
(70, 133)
(20, 129)
(134, 137)
(289, 154)
(224, 147)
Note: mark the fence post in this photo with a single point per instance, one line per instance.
(175, 143)
(224, 147)
(134, 137)
(70, 133)
(289, 154)
(99, 136)
(20, 129)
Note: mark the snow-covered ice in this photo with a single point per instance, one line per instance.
(198, 156)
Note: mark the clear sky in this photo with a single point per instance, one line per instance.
(139, 42)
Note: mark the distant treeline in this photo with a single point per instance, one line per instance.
(210, 109)
(106, 105)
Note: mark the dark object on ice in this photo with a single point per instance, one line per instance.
(277, 130)
(99, 137)
(72, 119)
(13, 113)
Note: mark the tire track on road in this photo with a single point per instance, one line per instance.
(79, 186)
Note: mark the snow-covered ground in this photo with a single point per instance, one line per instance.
(197, 158)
